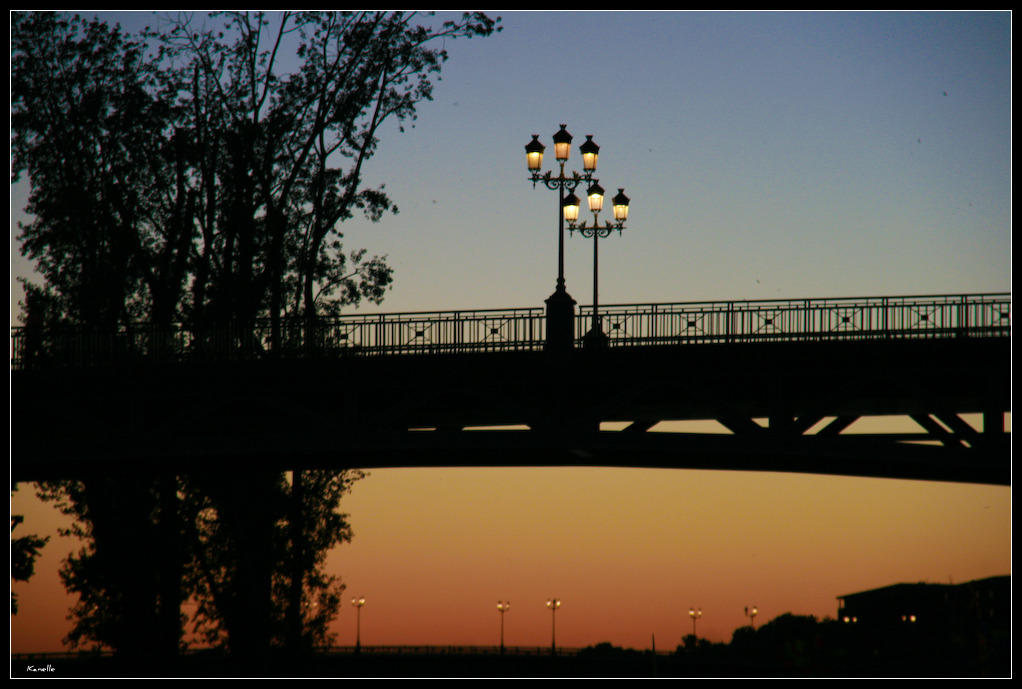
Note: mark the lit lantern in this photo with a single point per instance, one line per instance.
(570, 207)
(590, 151)
(620, 206)
(595, 193)
(562, 144)
(534, 153)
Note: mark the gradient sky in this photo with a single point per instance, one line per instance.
(767, 155)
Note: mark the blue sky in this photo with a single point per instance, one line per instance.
(767, 155)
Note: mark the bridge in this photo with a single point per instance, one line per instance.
(738, 385)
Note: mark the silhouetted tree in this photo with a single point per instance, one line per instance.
(196, 174)
(90, 117)
(203, 172)
(122, 572)
(230, 520)
(250, 591)
(269, 146)
(24, 551)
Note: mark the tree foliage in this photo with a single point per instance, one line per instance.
(200, 173)
(138, 563)
(24, 551)
(88, 125)
(119, 571)
(305, 524)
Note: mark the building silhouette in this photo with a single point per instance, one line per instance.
(967, 625)
(948, 607)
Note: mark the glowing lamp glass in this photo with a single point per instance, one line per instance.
(534, 153)
(570, 207)
(562, 144)
(595, 198)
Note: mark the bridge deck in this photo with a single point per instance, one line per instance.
(785, 405)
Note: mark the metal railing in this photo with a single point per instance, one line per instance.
(805, 319)
(492, 330)
(501, 330)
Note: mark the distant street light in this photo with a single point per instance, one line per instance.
(553, 604)
(503, 607)
(695, 615)
(751, 614)
(358, 603)
(560, 305)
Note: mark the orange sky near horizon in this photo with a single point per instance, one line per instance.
(628, 551)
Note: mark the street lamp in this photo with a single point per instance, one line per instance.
(358, 603)
(503, 607)
(560, 305)
(751, 614)
(596, 337)
(553, 604)
(695, 615)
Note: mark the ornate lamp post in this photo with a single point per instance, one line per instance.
(503, 607)
(553, 604)
(695, 615)
(751, 614)
(560, 305)
(596, 337)
(358, 603)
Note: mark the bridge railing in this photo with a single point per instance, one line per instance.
(498, 330)
(490, 330)
(431, 333)
(803, 319)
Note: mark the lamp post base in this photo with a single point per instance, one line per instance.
(595, 339)
(560, 321)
